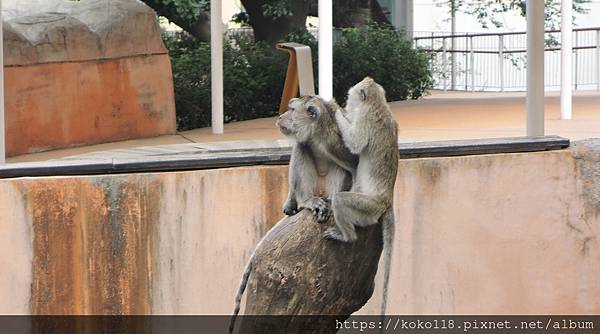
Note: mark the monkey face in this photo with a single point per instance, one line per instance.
(302, 118)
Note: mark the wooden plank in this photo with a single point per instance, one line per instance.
(223, 156)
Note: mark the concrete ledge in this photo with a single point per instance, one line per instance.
(245, 153)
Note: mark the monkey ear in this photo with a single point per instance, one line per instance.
(312, 111)
(363, 94)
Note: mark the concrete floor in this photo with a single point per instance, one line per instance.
(439, 116)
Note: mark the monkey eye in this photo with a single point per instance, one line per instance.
(312, 111)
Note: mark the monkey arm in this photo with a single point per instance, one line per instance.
(352, 138)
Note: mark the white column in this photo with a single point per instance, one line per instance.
(2, 133)
(566, 62)
(326, 49)
(403, 16)
(216, 66)
(535, 67)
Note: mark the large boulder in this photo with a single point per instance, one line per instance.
(84, 72)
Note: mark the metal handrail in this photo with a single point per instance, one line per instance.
(494, 61)
(498, 33)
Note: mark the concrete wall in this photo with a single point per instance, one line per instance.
(505, 233)
(80, 73)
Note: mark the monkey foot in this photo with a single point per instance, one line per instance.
(333, 234)
(290, 212)
(320, 209)
(290, 208)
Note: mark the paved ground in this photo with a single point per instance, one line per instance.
(440, 116)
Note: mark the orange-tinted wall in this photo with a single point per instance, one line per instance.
(63, 104)
(487, 234)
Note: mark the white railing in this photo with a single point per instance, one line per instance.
(496, 61)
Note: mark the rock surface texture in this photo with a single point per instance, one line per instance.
(46, 31)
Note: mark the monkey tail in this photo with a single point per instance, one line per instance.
(388, 222)
(240, 293)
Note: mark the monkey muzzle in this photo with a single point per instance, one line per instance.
(283, 127)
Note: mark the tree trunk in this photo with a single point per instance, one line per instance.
(353, 13)
(271, 29)
(297, 272)
(200, 28)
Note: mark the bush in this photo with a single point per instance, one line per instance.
(253, 76)
(254, 73)
(383, 54)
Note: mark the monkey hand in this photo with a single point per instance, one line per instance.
(320, 209)
(290, 207)
(341, 116)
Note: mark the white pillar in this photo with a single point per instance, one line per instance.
(566, 63)
(535, 67)
(216, 66)
(326, 49)
(403, 16)
(2, 133)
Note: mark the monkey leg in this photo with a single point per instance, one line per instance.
(353, 209)
(302, 180)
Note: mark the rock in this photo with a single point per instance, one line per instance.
(45, 31)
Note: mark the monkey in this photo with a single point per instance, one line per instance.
(320, 165)
(370, 131)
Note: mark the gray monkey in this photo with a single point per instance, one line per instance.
(320, 165)
(369, 130)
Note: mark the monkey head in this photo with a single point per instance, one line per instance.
(305, 117)
(364, 91)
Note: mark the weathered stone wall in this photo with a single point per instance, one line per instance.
(84, 72)
(503, 233)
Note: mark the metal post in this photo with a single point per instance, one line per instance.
(216, 66)
(535, 68)
(576, 62)
(432, 54)
(326, 49)
(2, 132)
(501, 60)
(453, 45)
(566, 52)
(472, 64)
(466, 64)
(444, 64)
(597, 59)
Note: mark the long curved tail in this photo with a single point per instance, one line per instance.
(388, 227)
(240, 293)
